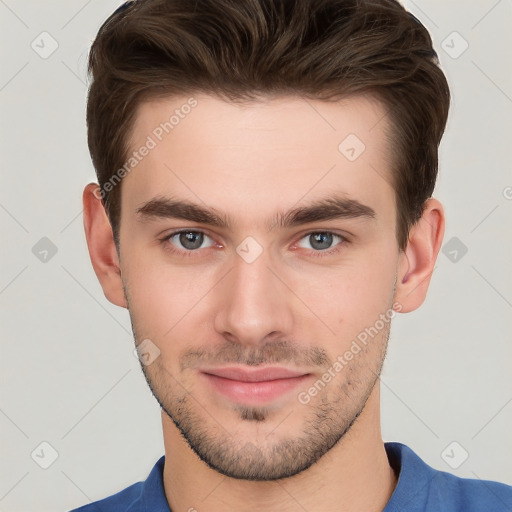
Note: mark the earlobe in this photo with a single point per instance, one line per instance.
(102, 249)
(417, 262)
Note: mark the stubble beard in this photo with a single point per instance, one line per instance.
(328, 419)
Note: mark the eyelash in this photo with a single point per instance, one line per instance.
(189, 253)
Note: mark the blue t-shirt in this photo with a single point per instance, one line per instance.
(420, 488)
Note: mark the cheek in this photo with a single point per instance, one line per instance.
(161, 294)
(349, 298)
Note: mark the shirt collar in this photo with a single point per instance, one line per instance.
(153, 497)
(414, 478)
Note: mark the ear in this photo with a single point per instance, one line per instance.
(102, 249)
(416, 263)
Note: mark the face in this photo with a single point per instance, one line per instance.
(258, 257)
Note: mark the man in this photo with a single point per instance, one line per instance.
(264, 210)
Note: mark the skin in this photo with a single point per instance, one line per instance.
(286, 308)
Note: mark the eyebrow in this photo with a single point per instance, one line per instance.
(329, 208)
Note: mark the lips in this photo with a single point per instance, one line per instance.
(254, 374)
(253, 385)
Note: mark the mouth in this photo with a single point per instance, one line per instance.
(253, 386)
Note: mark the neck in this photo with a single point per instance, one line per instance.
(354, 475)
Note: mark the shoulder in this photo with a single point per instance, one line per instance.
(121, 501)
(148, 495)
(423, 488)
(470, 494)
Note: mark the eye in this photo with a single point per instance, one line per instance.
(321, 241)
(186, 240)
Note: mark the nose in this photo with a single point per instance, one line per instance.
(253, 303)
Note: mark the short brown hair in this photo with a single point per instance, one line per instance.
(241, 49)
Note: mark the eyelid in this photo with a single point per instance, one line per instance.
(331, 231)
(322, 231)
(167, 237)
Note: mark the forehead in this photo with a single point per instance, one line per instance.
(259, 156)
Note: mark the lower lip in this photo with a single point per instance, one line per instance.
(253, 392)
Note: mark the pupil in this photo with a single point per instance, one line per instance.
(321, 240)
(191, 240)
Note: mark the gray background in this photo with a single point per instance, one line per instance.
(69, 375)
